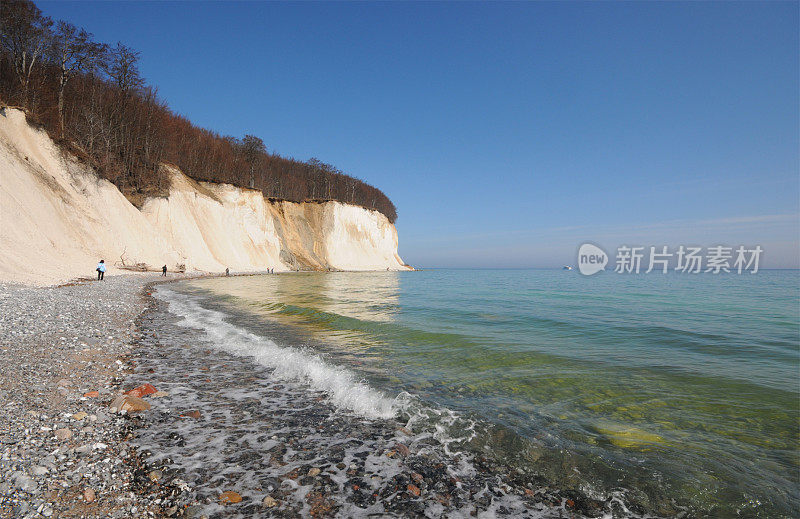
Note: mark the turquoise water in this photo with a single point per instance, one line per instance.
(680, 392)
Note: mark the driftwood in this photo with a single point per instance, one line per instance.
(138, 267)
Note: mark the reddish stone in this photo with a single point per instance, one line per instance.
(570, 503)
(413, 489)
(402, 449)
(92, 394)
(143, 390)
(192, 414)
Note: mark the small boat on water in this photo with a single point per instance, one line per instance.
(566, 267)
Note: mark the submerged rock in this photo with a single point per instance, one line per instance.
(141, 391)
(229, 497)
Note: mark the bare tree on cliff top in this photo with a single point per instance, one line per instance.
(252, 148)
(74, 52)
(122, 68)
(25, 35)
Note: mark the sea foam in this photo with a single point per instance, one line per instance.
(343, 388)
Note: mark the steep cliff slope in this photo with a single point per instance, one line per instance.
(57, 219)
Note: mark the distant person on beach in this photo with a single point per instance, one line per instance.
(101, 270)
(227, 271)
(164, 271)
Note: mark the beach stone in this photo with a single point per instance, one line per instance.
(83, 449)
(402, 449)
(159, 394)
(269, 502)
(141, 391)
(64, 383)
(320, 505)
(413, 489)
(39, 471)
(314, 471)
(89, 495)
(63, 434)
(25, 483)
(191, 414)
(229, 497)
(129, 404)
(92, 394)
(79, 415)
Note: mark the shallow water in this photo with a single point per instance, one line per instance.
(318, 442)
(678, 393)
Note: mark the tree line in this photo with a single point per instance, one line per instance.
(91, 97)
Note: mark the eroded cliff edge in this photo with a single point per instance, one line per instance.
(58, 218)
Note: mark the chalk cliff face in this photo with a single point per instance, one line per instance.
(57, 219)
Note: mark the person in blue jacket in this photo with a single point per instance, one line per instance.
(101, 270)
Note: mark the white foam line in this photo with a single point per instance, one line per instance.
(289, 363)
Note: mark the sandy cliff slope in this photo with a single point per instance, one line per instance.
(57, 219)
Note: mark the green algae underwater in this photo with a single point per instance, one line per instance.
(679, 393)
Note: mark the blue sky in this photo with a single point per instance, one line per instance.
(506, 133)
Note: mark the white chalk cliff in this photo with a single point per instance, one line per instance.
(58, 218)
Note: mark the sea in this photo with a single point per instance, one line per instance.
(538, 393)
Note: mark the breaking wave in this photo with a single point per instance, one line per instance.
(344, 389)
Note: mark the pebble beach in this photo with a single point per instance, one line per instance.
(64, 354)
